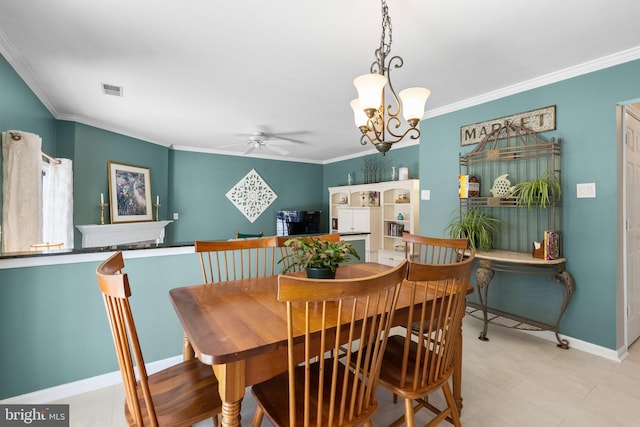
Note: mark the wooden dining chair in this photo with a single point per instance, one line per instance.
(226, 260)
(180, 395)
(318, 390)
(284, 249)
(434, 250)
(417, 364)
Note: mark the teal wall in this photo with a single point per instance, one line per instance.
(586, 122)
(54, 328)
(199, 184)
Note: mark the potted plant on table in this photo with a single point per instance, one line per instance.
(476, 226)
(320, 258)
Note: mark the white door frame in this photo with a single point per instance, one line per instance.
(623, 296)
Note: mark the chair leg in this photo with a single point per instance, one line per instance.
(215, 421)
(409, 415)
(448, 395)
(257, 417)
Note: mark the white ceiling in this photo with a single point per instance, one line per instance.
(196, 73)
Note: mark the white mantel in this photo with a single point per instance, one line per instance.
(94, 235)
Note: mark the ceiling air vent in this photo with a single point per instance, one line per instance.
(114, 90)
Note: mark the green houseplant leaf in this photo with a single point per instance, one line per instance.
(476, 226)
(540, 192)
(313, 252)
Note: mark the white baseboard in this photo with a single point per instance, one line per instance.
(585, 346)
(83, 386)
(101, 381)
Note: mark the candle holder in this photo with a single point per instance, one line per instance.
(102, 206)
(157, 205)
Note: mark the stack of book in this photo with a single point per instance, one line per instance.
(394, 229)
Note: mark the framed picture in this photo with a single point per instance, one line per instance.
(374, 198)
(129, 193)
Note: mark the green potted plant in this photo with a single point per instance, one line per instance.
(476, 226)
(540, 192)
(320, 258)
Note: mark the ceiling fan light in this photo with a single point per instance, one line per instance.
(413, 102)
(369, 88)
(359, 115)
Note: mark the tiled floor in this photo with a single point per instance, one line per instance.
(513, 380)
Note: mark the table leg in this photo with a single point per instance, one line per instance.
(565, 279)
(483, 278)
(231, 384)
(187, 349)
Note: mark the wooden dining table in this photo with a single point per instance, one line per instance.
(240, 329)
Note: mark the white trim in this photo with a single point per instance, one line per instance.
(547, 79)
(14, 58)
(372, 150)
(587, 347)
(236, 154)
(37, 261)
(65, 391)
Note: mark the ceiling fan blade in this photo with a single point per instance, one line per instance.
(277, 142)
(250, 150)
(277, 149)
(265, 134)
(279, 136)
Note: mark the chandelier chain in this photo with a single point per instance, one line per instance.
(387, 31)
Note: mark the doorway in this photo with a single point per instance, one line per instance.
(631, 192)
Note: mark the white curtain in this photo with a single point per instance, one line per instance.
(21, 191)
(57, 202)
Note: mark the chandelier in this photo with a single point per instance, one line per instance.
(380, 125)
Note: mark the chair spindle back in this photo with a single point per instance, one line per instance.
(116, 292)
(237, 259)
(334, 394)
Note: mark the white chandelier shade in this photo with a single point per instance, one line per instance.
(370, 87)
(413, 101)
(359, 115)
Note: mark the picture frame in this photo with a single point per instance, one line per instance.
(373, 199)
(129, 193)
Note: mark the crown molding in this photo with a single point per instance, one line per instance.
(557, 76)
(14, 59)
(236, 154)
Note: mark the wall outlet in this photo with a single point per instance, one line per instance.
(425, 195)
(175, 216)
(586, 190)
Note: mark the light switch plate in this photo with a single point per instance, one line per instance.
(425, 195)
(586, 190)
(175, 216)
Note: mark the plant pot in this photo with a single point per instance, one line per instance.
(320, 273)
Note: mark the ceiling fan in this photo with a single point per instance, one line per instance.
(264, 140)
(260, 141)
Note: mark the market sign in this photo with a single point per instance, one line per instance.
(540, 120)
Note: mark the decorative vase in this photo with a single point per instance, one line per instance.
(404, 174)
(320, 273)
